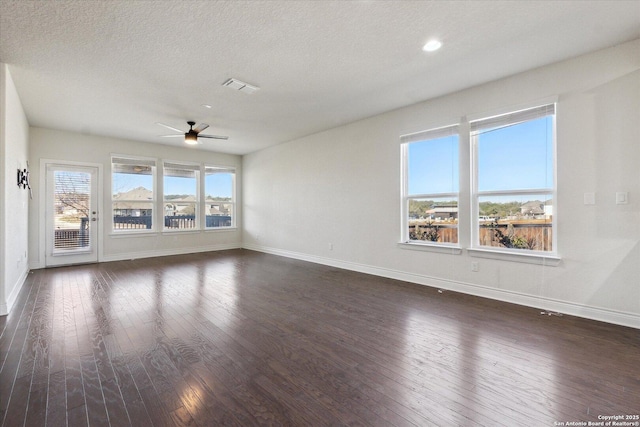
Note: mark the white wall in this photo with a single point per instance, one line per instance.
(342, 187)
(47, 144)
(14, 201)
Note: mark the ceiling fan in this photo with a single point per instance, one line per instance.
(192, 135)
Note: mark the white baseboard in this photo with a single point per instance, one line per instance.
(589, 312)
(6, 307)
(124, 256)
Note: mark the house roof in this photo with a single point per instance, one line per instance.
(443, 210)
(185, 199)
(532, 204)
(139, 193)
(116, 68)
(534, 207)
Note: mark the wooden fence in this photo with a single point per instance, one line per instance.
(537, 237)
(447, 233)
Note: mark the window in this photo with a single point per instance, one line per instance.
(219, 187)
(431, 186)
(181, 201)
(132, 193)
(72, 210)
(514, 181)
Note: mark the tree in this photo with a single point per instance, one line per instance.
(72, 195)
(510, 239)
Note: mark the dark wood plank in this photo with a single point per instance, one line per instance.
(16, 411)
(78, 416)
(93, 392)
(155, 408)
(135, 408)
(56, 400)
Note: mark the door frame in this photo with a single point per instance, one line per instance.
(43, 210)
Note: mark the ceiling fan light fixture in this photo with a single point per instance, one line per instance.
(192, 135)
(190, 138)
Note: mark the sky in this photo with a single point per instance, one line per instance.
(216, 185)
(513, 157)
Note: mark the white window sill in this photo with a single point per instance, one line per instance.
(525, 257)
(182, 231)
(442, 248)
(219, 229)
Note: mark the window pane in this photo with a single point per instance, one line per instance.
(132, 178)
(433, 166)
(219, 214)
(71, 211)
(180, 215)
(180, 196)
(180, 183)
(129, 215)
(218, 184)
(519, 156)
(132, 183)
(516, 222)
(433, 219)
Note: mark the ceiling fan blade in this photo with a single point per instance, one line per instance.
(170, 127)
(172, 136)
(200, 127)
(212, 136)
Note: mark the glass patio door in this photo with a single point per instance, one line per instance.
(72, 215)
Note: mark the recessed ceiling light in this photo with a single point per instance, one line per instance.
(432, 45)
(206, 106)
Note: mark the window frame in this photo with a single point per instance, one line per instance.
(509, 118)
(191, 166)
(139, 161)
(406, 140)
(232, 170)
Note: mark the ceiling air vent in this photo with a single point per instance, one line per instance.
(241, 86)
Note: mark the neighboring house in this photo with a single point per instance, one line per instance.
(443, 212)
(180, 206)
(532, 208)
(537, 209)
(128, 203)
(214, 210)
(217, 207)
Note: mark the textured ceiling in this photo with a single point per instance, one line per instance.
(115, 68)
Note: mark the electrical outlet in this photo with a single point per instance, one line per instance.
(622, 198)
(475, 266)
(589, 198)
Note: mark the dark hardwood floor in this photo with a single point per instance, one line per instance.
(244, 338)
